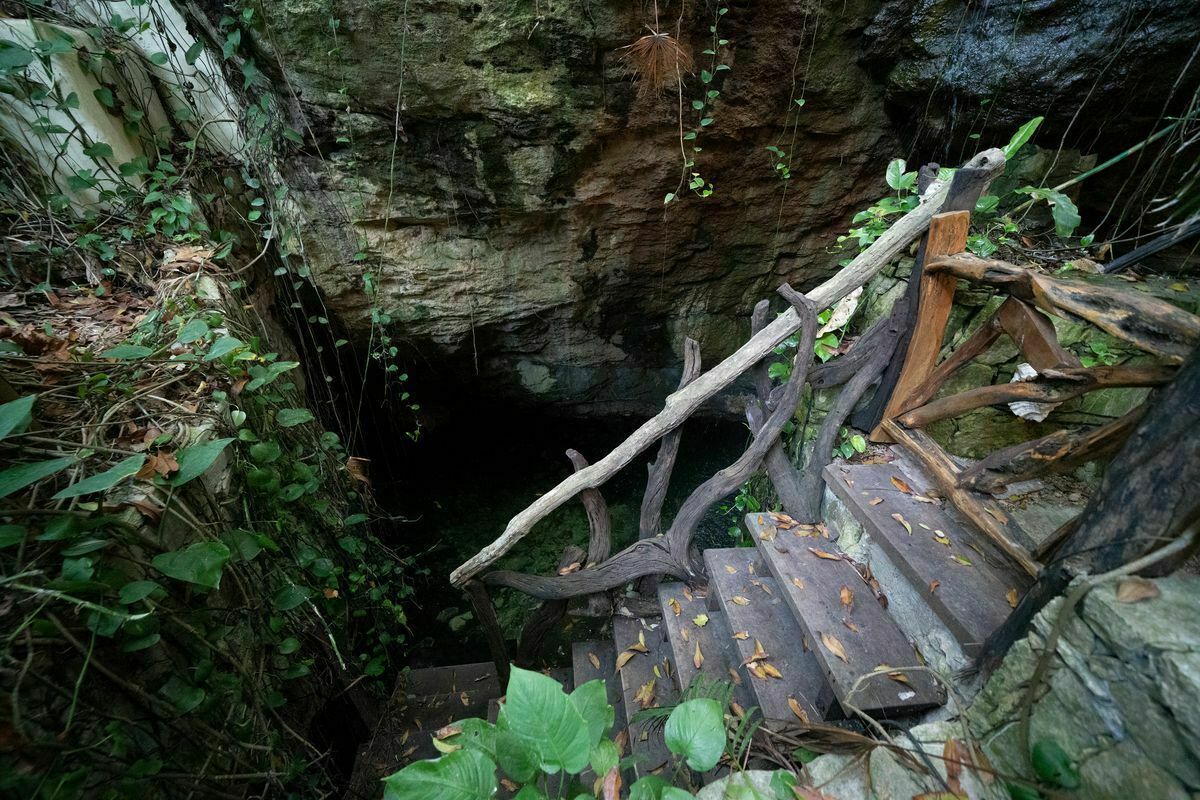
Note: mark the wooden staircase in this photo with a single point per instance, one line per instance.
(801, 630)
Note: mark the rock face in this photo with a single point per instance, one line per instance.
(491, 173)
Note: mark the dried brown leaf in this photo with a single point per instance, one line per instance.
(799, 584)
(741, 635)
(834, 646)
(900, 518)
(901, 485)
(823, 554)
(933, 586)
(846, 594)
(1135, 590)
(741, 601)
(1011, 597)
(698, 657)
(800, 713)
(876, 501)
(592, 657)
(645, 693)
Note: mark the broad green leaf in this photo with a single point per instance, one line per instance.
(532, 793)
(193, 330)
(516, 757)
(696, 731)
(200, 563)
(194, 460)
(223, 346)
(14, 56)
(15, 416)
(604, 756)
(12, 534)
(265, 452)
(539, 711)
(477, 734)
(141, 643)
(127, 351)
(290, 417)
(591, 701)
(1023, 135)
(1066, 215)
(138, 590)
(104, 480)
(290, 596)
(1052, 764)
(85, 546)
(183, 696)
(648, 788)
(462, 775)
(17, 478)
(193, 52)
(895, 173)
(675, 793)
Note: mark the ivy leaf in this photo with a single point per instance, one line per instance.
(1023, 135)
(137, 590)
(105, 480)
(591, 701)
(105, 96)
(127, 351)
(14, 56)
(183, 696)
(12, 534)
(200, 563)
(291, 417)
(696, 731)
(16, 415)
(1066, 215)
(193, 330)
(193, 52)
(98, 150)
(290, 596)
(195, 460)
(540, 713)
(465, 774)
(16, 478)
(895, 173)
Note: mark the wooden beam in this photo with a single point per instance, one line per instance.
(680, 405)
(1147, 323)
(1058, 452)
(975, 345)
(1056, 386)
(1033, 334)
(984, 512)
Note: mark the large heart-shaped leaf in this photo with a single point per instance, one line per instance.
(541, 714)
(104, 480)
(200, 563)
(465, 774)
(696, 731)
(194, 460)
(591, 701)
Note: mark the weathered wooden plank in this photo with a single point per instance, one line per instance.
(694, 628)
(1034, 336)
(1147, 323)
(455, 678)
(650, 673)
(971, 599)
(947, 234)
(1004, 532)
(975, 345)
(852, 633)
(594, 660)
(753, 604)
(1059, 452)
(682, 403)
(1054, 386)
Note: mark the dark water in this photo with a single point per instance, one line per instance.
(465, 478)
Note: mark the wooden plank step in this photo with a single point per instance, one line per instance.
(645, 741)
(852, 634)
(719, 658)
(753, 604)
(454, 678)
(967, 583)
(592, 660)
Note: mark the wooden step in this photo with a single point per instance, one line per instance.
(696, 625)
(454, 678)
(967, 583)
(596, 660)
(753, 604)
(851, 633)
(645, 740)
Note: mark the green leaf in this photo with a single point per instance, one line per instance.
(516, 757)
(194, 460)
(533, 793)
(12, 534)
(85, 546)
(183, 696)
(648, 788)
(16, 478)
(696, 731)
(465, 774)
(541, 714)
(1023, 135)
(223, 346)
(193, 330)
(15, 416)
(604, 757)
(290, 417)
(105, 96)
(1066, 215)
(141, 643)
(126, 351)
(289, 646)
(200, 563)
(858, 443)
(265, 452)
(105, 480)
(290, 596)
(98, 150)
(138, 590)
(1052, 764)
(193, 52)
(159, 58)
(591, 701)
(895, 173)
(14, 56)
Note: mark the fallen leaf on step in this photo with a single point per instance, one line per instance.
(901, 485)
(741, 636)
(640, 647)
(759, 653)
(1135, 590)
(446, 732)
(731, 570)
(763, 586)
(847, 596)
(926, 527)
(957, 559)
(851, 626)
(767, 534)
(770, 670)
(698, 657)
(687, 593)
(899, 518)
(737, 710)
(797, 710)
(898, 677)
(750, 568)
(783, 521)
(645, 693)
(933, 586)
(620, 740)
(920, 498)
(684, 633)
(735, 677)
(572, 567)
(676, 609)
(834, 646)
(1011, 597)
(876, 501)
(624, 658)
(741, 601)
(823, 554)
(700, 620)
(512, 787)
(941, 538)
(799, 584)
(954, 755)
(592, 657)
(462, 698)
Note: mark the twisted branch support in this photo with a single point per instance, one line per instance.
(670, 554)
